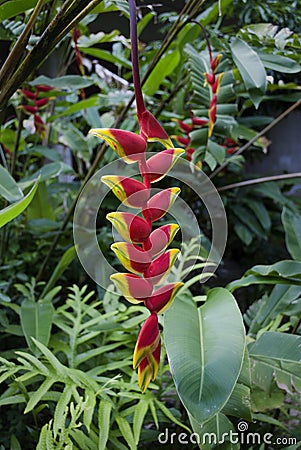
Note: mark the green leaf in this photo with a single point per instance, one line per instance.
(283, 269)
(264, 400)
(36, 321)
(90, 402)
(139, 414)
(282, 272)
(15, 209)
(267, 308)
(72, 137)
(79, 106)
(64, 262)
(40, 206)
(279, 63)
(278, 355)
(260, 212)
(239, 403)
(106, 56)
(251, 69)
(8, 187)
(12, 8)
(14, 443)
(35, 397)
(104, 417)
(205, 348)
(166, 65)
(67, 82)
(46, 172)
(126, 432)
(58, 367)
(214, 434)
(291, 221)
(60, 410)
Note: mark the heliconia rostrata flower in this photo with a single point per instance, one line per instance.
(144, 253)
(213, 81)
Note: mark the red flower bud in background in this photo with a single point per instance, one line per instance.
(41, 102)
(40, 126)
(43, 88)
(29, 94)
(30, 109)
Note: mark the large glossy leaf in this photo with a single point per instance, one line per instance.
(12, 211)
(239, 403)
(8, 187)
(205, 347)
(251, 69)
(213, 434)
(277, 355)
(292, 227)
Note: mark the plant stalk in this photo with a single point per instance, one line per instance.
(16, 54)
(285, 176)
(135, 59)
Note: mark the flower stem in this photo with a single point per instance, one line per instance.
(136, 74)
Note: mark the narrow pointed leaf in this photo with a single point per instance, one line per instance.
(10, 212)
(251, 69)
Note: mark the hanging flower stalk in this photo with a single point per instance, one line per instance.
(213, 80)
(143, 253)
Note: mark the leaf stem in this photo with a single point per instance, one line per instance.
(285, 176)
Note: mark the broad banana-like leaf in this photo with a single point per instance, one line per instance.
(205, 347)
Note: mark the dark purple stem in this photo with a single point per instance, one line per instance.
(134, 45)
(205, 37)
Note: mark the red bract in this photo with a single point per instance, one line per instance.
(151, 129)
(131, 192)
(126, 144)
(160, 203)
(130, 227)
(161, 163)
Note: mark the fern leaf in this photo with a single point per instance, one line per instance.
(60, 410)
(104, 416)
(35, 397)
